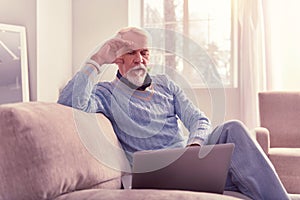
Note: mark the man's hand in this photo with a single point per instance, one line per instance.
(193, 144)
(110, 50)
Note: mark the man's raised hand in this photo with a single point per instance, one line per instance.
(111, 50)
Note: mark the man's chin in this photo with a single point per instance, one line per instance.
(137, 80)
(140, 73)
(137, 75)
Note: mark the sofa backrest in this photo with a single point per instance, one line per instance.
(280, 114)
(43, 151)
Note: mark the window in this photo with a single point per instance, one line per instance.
(199, 39)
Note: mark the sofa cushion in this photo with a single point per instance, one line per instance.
(144, 194)
(279, 113)
(43, 156)
(286, 162)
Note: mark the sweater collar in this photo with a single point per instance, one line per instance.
(147, 82)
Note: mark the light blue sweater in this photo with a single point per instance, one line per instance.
(142, 120)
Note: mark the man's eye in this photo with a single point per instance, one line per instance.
(145, 53)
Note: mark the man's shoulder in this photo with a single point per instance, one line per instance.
(163, 81)
(160, 78)
(105, 86)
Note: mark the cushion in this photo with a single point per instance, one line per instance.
(279, 113)
(286, 162)
(144, 194)
(42, 154)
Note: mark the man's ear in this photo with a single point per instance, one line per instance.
(119, 61)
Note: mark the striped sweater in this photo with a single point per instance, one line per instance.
(142, 120)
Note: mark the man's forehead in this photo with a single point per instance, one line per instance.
(137, 39)
(142, 49)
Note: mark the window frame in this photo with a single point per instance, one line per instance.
(135, 18)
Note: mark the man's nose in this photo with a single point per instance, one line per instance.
(138, 58)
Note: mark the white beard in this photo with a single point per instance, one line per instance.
(137, 75)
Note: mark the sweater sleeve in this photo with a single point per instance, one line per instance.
(191, 116)
(80, 91)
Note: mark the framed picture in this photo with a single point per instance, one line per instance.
(14, 85)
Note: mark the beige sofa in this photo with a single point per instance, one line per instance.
(279, 135)
(43, 156)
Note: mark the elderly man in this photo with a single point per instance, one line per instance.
(144, 110)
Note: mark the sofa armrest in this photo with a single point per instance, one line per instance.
(263, 138)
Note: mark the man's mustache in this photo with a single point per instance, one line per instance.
(138, 67)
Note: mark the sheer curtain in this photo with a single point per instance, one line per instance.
(252, 58)
(283, 45)
(269, 50)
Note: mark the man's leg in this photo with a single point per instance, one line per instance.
(250, 170)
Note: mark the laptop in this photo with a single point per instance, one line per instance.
(194, 168)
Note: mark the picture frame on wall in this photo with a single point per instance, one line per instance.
(14, 85)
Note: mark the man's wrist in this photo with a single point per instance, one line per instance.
(195, 141)
(94, 64)
(193, 144)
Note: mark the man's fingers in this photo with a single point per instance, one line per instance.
(110, 50)
(117, 43)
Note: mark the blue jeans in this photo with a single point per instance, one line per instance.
(250, 172)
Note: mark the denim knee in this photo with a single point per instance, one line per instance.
(233, 129)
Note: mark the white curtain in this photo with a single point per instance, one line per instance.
(252, 59)
(282, 44)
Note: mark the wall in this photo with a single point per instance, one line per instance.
(54, 47)
(93, 22)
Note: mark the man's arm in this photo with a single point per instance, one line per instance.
(193, 119)
(80, 92)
